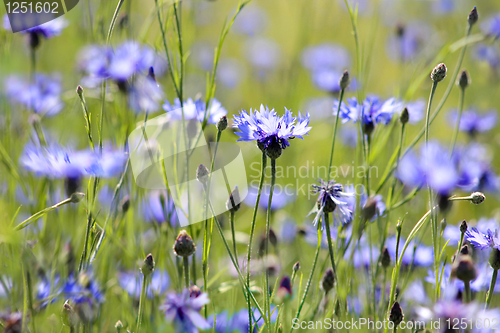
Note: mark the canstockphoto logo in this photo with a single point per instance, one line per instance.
(165, 153)
(27, 14)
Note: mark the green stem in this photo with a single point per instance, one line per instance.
(231, 216)
(335, 133)
(252, 231)
(457, 126)
(491, 290)
(330, 244)
(436, 112)
(268, 227)
(185, 262)
(311, 274)
(41, 213)
(468, 294)
(141, 303)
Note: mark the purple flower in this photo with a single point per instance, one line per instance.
(418, 256)
(474, 167)
(46, 288)
(371, 111)
(409, 41)
(56, 162)
(491, 26)
(160, 208)
(195, 109)
(332, 199)
(326, 56)
(251, 21)
(43, 96)
(416, 110)
(99, 63)
(47, 30)
(483, 241)
(473, 122)
(280, 198)
(489, 54)
(271, 131)
(183, 311)
(131, 282)
(144, 94)
(434, 167)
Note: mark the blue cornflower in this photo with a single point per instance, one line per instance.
(131, 282)
(419, 256)
(409, 41)
(43, 96)
(491, 26)
(474, 167)
(45, 289)
(183, 311)
(250, 21)
(159, 207)
(263, 54)
(483, 241)
(99, 63)
(371, 111)
(489, 54)
(434, 167)
(473, 122)
(144, 94)
(332, 195)
(46, 30)
(57, 162)
(280, 198)
(85, 294)
(195, 109)
(237, 322)
(372, 207)
(271, 131)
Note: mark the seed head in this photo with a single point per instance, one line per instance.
(77, 197)
(439, 73)
(184, 245)
(464, 80)
(473, 16)
(222, 123)
(344, 80)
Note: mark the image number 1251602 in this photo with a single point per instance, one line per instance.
(27, 14)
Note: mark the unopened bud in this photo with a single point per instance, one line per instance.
(463, 227)
(439, 73)
(464, 80)
(222, 123)
(296, 266)
(233, 203)
(202, 174)
(370, 209)
(68, 315)
(463, 268)
(184, 245)
(344, 80)
(404, 117)
(77, 197)
(151, 73)
(79, 91)
(396, 314)
(385, 259)
(328, 281)
(464, 249)
(119, 326)
(495, 259)
(272, 238)
(477, 198)
(194, 291)
(473, 16)
(148, 266)
(125, 204)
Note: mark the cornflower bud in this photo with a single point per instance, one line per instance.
(184, 245)
(439, 73)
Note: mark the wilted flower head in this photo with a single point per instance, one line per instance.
(42, 96)
(195, 109)
(182, 311)
(332, 196)
(271, 131)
